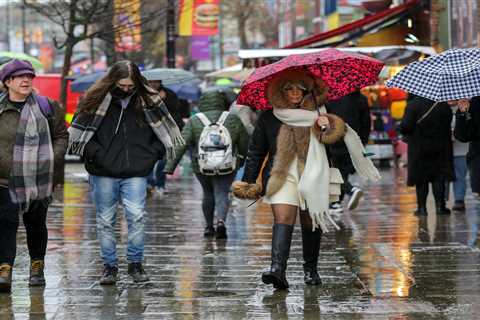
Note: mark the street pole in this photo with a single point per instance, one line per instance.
(171, 34)
(92, 55)
(24, 29)
(220, 37)
(7, 22)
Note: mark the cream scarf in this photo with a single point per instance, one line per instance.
(313, 186)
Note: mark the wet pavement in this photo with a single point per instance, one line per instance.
(385, 263)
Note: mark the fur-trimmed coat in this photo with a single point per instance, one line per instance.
(280, 143)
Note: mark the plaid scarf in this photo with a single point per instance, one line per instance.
(157, 116)
(31, 177)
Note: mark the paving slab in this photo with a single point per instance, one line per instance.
(384, 263)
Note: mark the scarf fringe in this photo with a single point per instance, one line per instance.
(320, 219)
(76, 147)
(363, 165)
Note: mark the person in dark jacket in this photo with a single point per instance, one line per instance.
(430, 154)
(121, 129)
(354, 110)
(215, 187)
(467, 129)
(157, 178)
(289, 142)
(29, 167)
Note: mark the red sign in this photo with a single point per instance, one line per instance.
(205, 17)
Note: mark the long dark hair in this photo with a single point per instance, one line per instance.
(120, 70)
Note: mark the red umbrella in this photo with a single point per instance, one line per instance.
(341, 71)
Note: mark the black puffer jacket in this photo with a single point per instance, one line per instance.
(130, 151)
(263, 142)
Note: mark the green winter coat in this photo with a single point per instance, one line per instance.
(212, 104)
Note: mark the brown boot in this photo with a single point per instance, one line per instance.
(5, 277)
(37, 278)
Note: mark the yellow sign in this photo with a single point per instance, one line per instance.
(186, 18)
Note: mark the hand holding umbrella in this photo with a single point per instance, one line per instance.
(323, 123)
(463, 105)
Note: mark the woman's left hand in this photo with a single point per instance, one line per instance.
(463, 105)
(322, 122)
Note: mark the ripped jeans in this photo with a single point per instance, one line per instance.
(106, 193)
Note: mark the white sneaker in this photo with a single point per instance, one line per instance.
(159, 192)
(357, 194)
(336, 207)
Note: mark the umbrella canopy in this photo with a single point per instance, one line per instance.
(187, 90)
(342, 72)
(236, 72)
(452, 75)
(168, 76)
(6, 56)
(83, 82)
(229, 92)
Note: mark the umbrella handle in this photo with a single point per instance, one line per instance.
(323, 128)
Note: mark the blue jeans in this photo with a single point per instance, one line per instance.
(106, 193)
(157, 177)
(215, 196)
(460, 183)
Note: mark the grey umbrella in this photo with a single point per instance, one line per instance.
(168, 76)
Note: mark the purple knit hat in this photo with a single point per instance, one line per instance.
(16, 68)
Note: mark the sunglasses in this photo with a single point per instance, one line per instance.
(289, 87)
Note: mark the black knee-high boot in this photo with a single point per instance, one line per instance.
(438, 188)
(311, 249)
(281, 240)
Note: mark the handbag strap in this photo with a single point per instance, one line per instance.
(427, 113)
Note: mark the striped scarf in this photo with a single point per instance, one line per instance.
(157, 116)
(31, 177)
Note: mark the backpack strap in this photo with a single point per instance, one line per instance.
(222, 118)
(44, 105)
(203, 118)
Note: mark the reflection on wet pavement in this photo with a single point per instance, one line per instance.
(385, 263)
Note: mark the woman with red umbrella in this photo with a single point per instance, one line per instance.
(296, 177)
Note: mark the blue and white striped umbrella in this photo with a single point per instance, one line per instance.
(454, 74)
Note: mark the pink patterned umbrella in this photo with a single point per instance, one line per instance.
(342, 72)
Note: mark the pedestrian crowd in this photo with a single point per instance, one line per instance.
(297, 155)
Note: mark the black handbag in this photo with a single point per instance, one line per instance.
(405, 137)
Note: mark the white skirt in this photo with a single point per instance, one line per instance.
(288, 193)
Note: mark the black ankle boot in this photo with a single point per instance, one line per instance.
(421, 211)
(281, 240)
(441, 208)
(311, 249)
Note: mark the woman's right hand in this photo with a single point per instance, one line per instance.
(322, 122)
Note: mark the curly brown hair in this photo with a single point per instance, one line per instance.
(120, 70)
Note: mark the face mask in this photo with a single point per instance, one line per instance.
(119, 93)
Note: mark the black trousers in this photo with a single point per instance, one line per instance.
(438, 188)
(34, 221)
